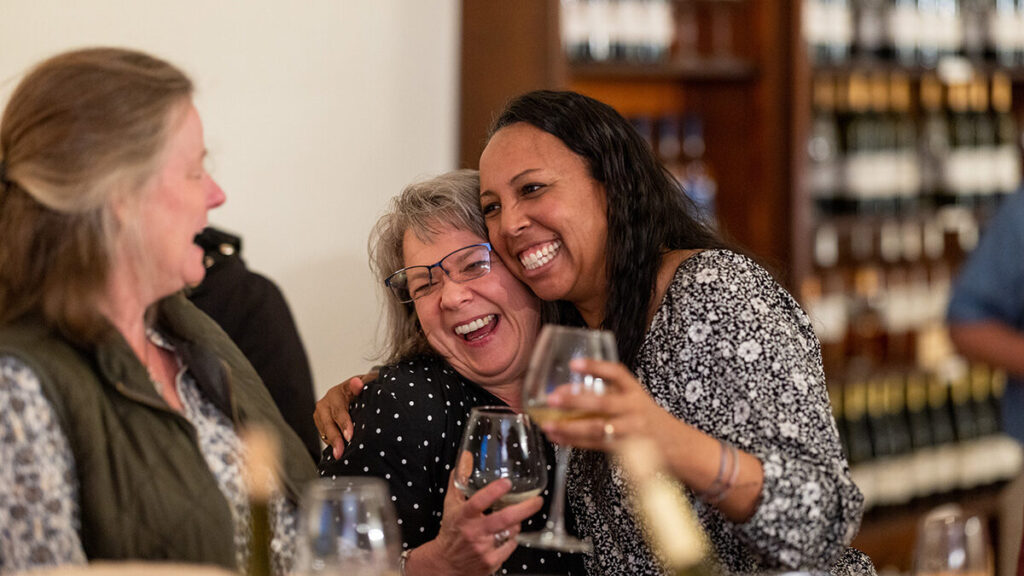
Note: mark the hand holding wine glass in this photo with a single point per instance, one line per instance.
(501, 468)
(498, 443)
(550, 370)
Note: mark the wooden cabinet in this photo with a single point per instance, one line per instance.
(512, 47)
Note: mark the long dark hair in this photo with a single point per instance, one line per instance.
(647, 212)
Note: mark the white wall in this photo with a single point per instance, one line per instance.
(315, 111)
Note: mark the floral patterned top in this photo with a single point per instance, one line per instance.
(731, 353)
(39, 511)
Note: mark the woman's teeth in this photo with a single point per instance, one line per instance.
(536, 259)
(473, 326)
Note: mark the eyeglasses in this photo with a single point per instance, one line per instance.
(414, 282)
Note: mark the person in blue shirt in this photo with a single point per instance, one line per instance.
(986, 311)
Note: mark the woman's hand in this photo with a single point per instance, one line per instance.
(625, 409)
(331, 414)
(470, 541)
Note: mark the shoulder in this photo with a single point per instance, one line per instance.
(21, 391)
(16, 375)
(722, 274)
(427, 380)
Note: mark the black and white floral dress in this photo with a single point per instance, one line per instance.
(731, 353)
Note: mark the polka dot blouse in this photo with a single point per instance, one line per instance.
(408, 427)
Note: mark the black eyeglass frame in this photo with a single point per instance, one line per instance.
(430, 273)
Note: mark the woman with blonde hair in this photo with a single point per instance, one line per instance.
(123, 402)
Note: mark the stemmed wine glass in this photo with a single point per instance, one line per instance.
(950, 542)
(499, 443)
(549, 369)
(347, 526)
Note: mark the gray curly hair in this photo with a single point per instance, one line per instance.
(426, 208)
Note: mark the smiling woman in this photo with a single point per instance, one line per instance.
(102, 192)
(461, 330)
(721, 369)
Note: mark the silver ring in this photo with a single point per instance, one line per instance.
(501, 537)
(609, 433)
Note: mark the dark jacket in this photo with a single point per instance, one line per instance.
(253, 312)
(145, 490)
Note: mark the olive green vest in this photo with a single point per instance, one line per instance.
(145, 491)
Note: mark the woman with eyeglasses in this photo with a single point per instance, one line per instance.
(460, 331)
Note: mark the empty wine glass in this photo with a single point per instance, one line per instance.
(549, 369)
(950, 542)
(499, 443)
(348, 525)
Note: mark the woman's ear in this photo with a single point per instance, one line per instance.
(124, 208)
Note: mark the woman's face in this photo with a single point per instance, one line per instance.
(546, 215)
(484, 327)
(173, 209)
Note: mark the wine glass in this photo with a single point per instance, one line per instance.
(549, 369)
(950, 542)
(348, 525)
(499, 443)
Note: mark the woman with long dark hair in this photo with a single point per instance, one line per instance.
(728, 377)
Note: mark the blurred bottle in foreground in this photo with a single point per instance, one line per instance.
(666, 514)
(261, 459)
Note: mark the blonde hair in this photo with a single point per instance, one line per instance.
(81, 130)
(426, 208)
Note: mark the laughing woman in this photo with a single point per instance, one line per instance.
(728, 378)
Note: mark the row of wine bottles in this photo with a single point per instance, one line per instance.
(873, 143)
(916, 433)
(629, 30)
(678, 142)
(914, 32)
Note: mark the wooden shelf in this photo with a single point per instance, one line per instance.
(676, 70)
(887, 534)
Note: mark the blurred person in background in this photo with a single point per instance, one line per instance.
(122, 401)
(252, 310)
(986, 309)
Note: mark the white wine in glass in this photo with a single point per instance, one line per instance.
(499, 443)
(549, 370)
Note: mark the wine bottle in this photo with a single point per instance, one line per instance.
(904, 31)
(670, 524)
(934, 142)
(1008, 156)
(698, 178)
(261, 460)
(823, 147)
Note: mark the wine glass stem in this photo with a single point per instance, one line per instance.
(556, 518)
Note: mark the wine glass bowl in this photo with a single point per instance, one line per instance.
(347, 525)
(951, 542)
(499, 443)
(550, 370)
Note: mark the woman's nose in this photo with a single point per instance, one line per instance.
(454, 294)
(215, 196)
(513, 220)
